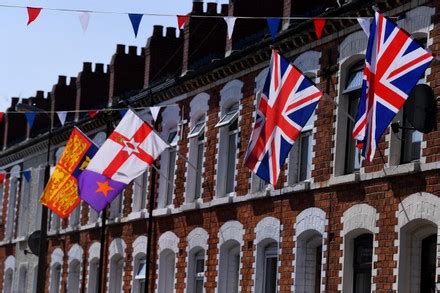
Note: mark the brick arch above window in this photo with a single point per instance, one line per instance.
(417, 20)
(140, 245)
(231, 230)
(267, 228)
(9, 263)
(117, 247)
(310, 219)
(168, 240)
(94, 251)
(359, 217)
(421, 205)
(198, 237)
(56, 257)
(231, 94)
(353, 44)
(75, 253)
(308, 61)
(198, 107)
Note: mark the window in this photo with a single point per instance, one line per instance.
(352, 92)
(428, 264)
(7, 284)
(117, 205)
(55, 282)
(140, 190)
(229, 267)
(308, 262)
(411, 139)
(300, 157)
(362, 263)
(54, 221)
(139, 278)
(116, 271)
(14, 184)
(172, 140)
(197, 146)
(24, 206)
(270, 269)
(199, 272)
(229, 137)
(74, 217)
(93, 276)
(166, 271)
(258, 184)
(73, 279)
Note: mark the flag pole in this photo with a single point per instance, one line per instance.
(150, 221)
(102, 248)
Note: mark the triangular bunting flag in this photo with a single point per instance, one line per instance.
(273, 24)
(181, 21)
(2, 116)
(92, 114)
(84, 19)
(27, 175)
(365, 24)
(30, 117)
(319, 24)
(33, 13)
(155, 112)
(2, 177)
(62, 116)
(122, 112)
(135, 22)
(230, 22)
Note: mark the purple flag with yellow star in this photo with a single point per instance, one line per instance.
(98, 190)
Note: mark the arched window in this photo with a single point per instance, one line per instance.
(14, 191)
(73, 279)
(197, 247)
(22, 279)
(267, 240)
(230, 243)
(417, 253)
(140, 190)
(168, 248)
(23, 216)
(9, 267)
(116, 262)
(55, 277)
(359, 226)
(309, 231)
(139, 268)
(74, 217)
(94, 253)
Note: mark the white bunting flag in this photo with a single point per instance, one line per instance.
(364, 22)
(155, 112)
(230, 21)
(84, 18)
(62, 116)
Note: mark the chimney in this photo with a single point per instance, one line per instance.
(197, 7)
(92, 88)
(63, 98)
(163, 55)
(204, 38)
(15, 125)
(126, 72)
(42, 121)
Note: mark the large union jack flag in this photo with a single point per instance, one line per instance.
(393, 65)
(287, 102)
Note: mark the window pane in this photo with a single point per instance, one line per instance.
(354, 81)
(171, 168)
(197, 129)
(230, 171)
(362, 263)
(352, 159)
(270, 277)
(172, 138)
(411, 142)
(228, 117)
(199, 165)
(199, 266)
(305, 155)
(199, 286)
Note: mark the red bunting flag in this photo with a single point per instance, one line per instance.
(2, 115)
(92, 114)
(319, 26)
(181, 20)
(2, 177)
(33, 13)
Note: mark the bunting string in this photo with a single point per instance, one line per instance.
(174, 15)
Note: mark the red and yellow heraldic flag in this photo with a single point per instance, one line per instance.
(61, 192)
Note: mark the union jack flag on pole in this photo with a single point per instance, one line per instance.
(394, 63)
(287, 102)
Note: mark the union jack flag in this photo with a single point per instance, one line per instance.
(287, 102)
(393, 65)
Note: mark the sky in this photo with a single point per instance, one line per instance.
(32, 57)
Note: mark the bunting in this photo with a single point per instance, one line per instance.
(84, 18)
(2, 177)
(319, 24)
(182, 20)
(92, 114)
(365, 24)
(2, 116)
(27, 175)
(30, 117)
(230, 22)
(154, 112)
(135, 20)
(62, 117)
(273, 24)
(33, 13)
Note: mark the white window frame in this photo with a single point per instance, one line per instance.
(166, 270)
(195, 142)
(14, 193)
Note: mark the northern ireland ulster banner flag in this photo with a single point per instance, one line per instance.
(393, 65)
(126, 154)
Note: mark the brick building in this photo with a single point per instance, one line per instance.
(334, 223)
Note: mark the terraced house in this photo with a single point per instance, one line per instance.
(334, 223)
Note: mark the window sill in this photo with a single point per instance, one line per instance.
(190, 206)
(90, 226)
(228, 198)
(297, 187)
(142, 214)
(162, 212)
(402, 169)
(344, 179)
(19, 239)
